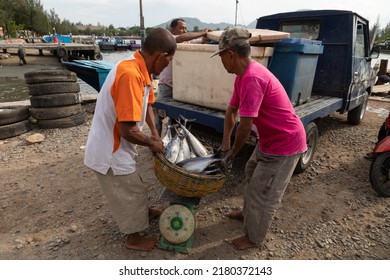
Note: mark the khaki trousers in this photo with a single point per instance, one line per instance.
(267, 177)
(127, 198)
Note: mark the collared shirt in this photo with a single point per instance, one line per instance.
(124, 97)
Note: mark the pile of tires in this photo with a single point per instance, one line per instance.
(55, 98)
(14, 121)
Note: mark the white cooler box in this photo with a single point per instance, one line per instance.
(201, 80)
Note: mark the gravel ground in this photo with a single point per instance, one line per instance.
(52, 207)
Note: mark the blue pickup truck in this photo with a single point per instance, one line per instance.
(342, 78)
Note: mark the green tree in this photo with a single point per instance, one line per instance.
(7, 15)
(54, 22)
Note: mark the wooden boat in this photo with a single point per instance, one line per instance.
(107, 44)
(384, 46)
(134, 45)
(92, 72)
(57, 38)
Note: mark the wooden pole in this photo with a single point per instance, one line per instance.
(142, 26)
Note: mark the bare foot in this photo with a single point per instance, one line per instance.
(136, 242)
(242, 243)
(154, 213)
(236, 215)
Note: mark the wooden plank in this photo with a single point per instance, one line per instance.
(258, 35)
(47, 46)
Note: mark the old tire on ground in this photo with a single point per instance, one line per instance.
(53, 88)
(356, 115)
(97, 56)
(380, 174)
(55, 100)
(50, 113)
(10, 115)
(14, 129)
(49, 76)
(311, 141)
(63, 122)
(61, 53)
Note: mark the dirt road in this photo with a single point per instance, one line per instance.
(52, 207)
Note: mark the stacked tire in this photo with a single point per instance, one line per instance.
(55, 98)
(14, 121)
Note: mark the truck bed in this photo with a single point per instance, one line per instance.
(316, 107)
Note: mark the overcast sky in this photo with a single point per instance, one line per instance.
(126, 13)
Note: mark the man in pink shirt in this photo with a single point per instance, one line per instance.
(258, 99)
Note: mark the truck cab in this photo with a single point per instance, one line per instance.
(341, 80)
(344, 68)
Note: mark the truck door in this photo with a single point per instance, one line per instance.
(362, 73)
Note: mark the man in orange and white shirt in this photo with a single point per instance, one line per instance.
(122, 108)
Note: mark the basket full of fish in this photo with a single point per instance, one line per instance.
(187, 168)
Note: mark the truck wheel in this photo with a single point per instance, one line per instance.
(311, 141)
(380, 173)
(356, 115)
(50, 113)
(49, 76)
(53, 88)
(66, 122)
(10, 115)
(14, 129)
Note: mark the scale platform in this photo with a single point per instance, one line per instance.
(177, 222)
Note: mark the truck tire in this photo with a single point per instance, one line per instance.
(63, 122)
(53, 88)
(14, 129)
(10, 115)
(49, 76)
(51, 113)
(379, 174)
(55, 100)
(356, 115)
(311, 141)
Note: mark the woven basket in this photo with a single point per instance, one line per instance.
(184, 183)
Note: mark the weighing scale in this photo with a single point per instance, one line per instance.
(177, 222)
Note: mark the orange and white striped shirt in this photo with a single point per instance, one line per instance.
(124, 97)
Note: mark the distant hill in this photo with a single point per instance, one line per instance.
(252, 24)
(192, 22)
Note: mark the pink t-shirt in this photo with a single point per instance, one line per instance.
(260, 95)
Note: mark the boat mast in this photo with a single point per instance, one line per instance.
(235, 20)
(142, 26)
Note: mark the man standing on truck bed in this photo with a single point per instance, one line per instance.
(179, 32)
(259, 99)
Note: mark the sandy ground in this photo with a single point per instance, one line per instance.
(52, 207)
(10, 67)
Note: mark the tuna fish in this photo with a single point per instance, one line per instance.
(198, 164)
(167, 136)
(173, 148)
(196, 145)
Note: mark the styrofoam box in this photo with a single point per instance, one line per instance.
(201, 80)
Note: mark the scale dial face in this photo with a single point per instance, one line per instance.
(177, 223)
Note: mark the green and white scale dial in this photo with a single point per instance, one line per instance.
(177, 226)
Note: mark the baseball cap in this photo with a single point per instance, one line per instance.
(232, 36)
